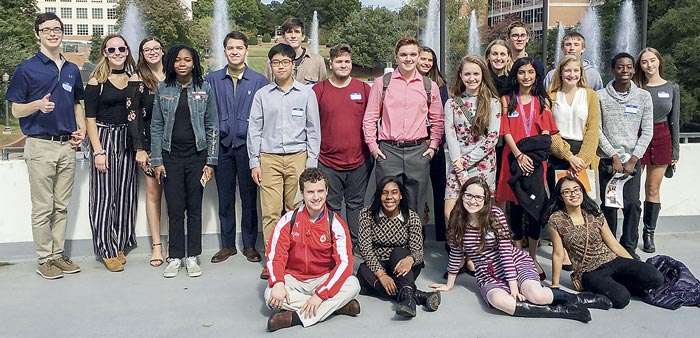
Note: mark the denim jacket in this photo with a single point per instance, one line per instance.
(203, 115)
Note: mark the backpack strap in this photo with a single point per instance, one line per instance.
(331, 214)
(427, 85)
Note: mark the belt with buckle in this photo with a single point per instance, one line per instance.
(403, 144)
(59, 138)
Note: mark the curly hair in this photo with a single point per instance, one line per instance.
(312, 175)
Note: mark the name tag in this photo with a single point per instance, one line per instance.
(513, 114)
(631, 109)
(199, 96)
(355, 96)
(67, 87)
(298, 112)
(664, 95)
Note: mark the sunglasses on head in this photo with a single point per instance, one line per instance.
(112, 50)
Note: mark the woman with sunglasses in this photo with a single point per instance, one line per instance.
(149, 70)
(601, 264)
(184, 152)
(506, 276)
(113, 173)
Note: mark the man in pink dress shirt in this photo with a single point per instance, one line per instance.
(403, 147)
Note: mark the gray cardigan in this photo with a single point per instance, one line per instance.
(621, 118)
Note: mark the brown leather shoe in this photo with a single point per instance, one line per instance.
(113, 264)
(279, 320)
(121, 257)
(251, 254)
(265, 274)
(350, 309)
(223, 254)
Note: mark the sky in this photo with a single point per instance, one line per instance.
(390, 4)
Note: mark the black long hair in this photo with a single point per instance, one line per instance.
(537, 90)
(169, 66)
(376, 205)
(556, 201)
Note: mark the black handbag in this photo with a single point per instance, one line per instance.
(670, 170)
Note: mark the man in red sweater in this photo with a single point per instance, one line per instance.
(310, 261)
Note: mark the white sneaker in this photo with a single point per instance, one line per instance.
(193, 269)
(173, 268)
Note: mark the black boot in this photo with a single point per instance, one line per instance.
(523, 309)
(585, 299)
(407, 303)
(431, 300)
(651, 215)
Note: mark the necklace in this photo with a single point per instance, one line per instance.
(119, 71)
(527, 121)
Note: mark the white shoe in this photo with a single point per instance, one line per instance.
(173, 268)
(193, 269)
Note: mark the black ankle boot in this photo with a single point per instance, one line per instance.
(523, 309)
(431, 300)
(651, 215)
(585, 299)
(407, 303)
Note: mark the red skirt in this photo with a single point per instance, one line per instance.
(660, 149)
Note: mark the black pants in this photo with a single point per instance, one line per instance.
(534, 227)
(233, 165)
(183, 193)
(367, 277)
(632, 207)
(438, 180)
(622, 278)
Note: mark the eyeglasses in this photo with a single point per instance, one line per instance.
(518, 36)
(112, 50)
(569, 192)
(55, 30)
(277, 63)
(149, 50)
(478, 198)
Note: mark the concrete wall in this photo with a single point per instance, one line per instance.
(678, 196)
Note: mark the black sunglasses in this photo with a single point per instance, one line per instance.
(112, 50)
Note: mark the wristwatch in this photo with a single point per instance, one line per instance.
(99, 152)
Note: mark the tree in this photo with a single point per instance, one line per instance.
(372, 33)
(16, 33)
(246, 13)
(162, 19)
(95, 44)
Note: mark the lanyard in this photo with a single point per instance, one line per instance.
(527, 121)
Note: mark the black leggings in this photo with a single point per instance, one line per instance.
(622, 278)
(534, 227)
(367, 277)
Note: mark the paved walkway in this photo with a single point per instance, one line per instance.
(227, 302)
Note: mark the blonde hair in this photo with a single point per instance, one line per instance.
(487, 91)
(555, 86)
(102, 70)
(509, 62)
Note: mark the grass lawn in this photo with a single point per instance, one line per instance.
(16, 132)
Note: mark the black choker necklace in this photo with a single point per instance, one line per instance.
(119, 71)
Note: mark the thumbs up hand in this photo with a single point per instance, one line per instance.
(45, 105)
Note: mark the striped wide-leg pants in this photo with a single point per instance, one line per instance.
(113, 194)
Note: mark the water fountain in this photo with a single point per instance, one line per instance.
(474, 38)
(558, 45)
(627, 39)
(590, 29)
(132, 28)
(431, 34)
(313, 38)
(219, 29)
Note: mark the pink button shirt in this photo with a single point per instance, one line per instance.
(404, 111)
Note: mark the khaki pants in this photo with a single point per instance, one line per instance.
(280, 186)
(301, 290)
(51, 167)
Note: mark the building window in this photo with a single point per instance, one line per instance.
(67, 29)
(112, 1)
(82, 29)
(80, 0)
(50, 10)
(111, 13)
(98, 29)
(51, 1)
(112, 29)
(65, 0)
(96, 0)
(66, 13)
(97, 13)
(81, 13)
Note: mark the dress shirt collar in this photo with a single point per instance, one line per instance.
(399, 216)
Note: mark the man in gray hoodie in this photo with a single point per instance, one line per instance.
(574, 43)
(626, 127)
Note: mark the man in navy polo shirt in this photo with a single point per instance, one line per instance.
(46, 91)
(235, 86)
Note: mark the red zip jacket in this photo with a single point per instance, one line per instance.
(308, 251)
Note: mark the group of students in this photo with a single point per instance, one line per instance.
(162, 115)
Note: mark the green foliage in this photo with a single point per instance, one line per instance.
(266, 38)
(331, 13)
(95, 44)
(252, 39)
(16, 33)
(162, 19)
(246, 13)
(372, 33)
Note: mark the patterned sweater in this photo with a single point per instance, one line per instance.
(377, 240)
(621, 118)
